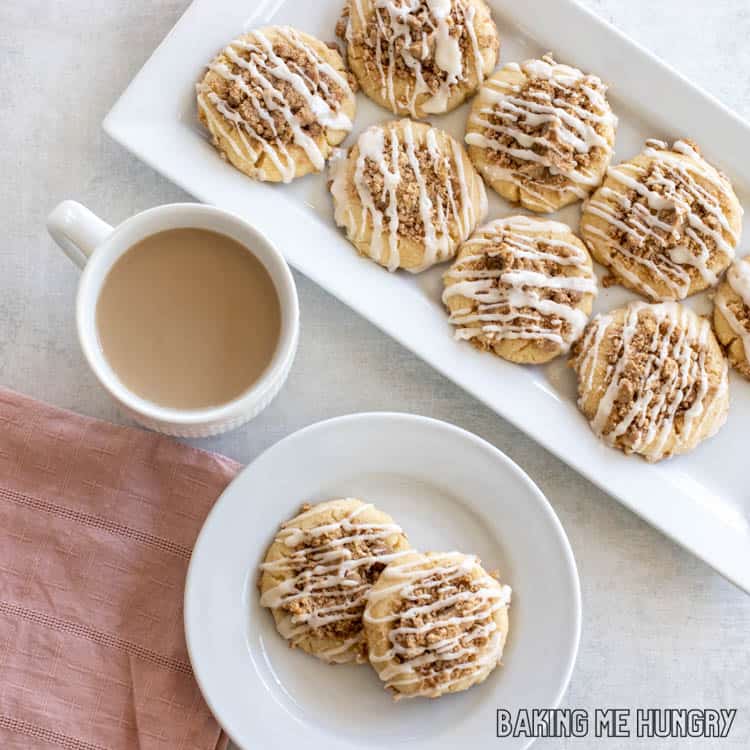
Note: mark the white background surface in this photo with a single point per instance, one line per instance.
(660, 628)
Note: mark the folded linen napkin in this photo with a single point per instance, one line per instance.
(96, 527)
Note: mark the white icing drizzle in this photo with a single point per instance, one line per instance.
(738, 278)
(427, 586)
(414, 43)
(683, 241)
(514, 303)
(565, 122)
(328, 572)
(382, 147)
(255, 55)
(660, 390)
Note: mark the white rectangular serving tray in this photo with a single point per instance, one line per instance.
(702, 500)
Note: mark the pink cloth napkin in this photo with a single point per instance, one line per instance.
(96, 527)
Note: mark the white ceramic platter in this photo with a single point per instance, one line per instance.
(448, 489)
(702, 500)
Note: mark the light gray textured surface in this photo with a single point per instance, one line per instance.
(660, 628)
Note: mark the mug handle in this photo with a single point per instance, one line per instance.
(77, 230)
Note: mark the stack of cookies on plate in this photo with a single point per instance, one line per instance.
(344, 585)
(652, 376)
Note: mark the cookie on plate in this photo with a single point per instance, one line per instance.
(276, 102)
(407, 195)
(732, 315)
(666, 223)
(419, 57)
(541, 133)
(522, 288)
(318, 571)
(652, 379)
(436, 623)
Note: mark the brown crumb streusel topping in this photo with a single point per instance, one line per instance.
(348, 598)
(501, 257)
(739, 309)
(639, 374)
(248, 98)
(467, 635)
(556, 153)
(410, 43)
(439, 177)
(343, 23)
(741, 312)
(684, 204)
(738, 355)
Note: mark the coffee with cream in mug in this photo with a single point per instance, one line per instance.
(188, 318)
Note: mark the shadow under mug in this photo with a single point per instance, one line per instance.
(94, 246)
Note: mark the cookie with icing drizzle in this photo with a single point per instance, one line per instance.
(666, 223)
(541, 133)
(276, 102)
(419, 57)
(436, 623)
(407, 195)
(521, 287)
(652, 379)
(318, 571)
(732, 315)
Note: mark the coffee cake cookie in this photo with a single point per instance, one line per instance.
(541, 133)
(652, 379)
(276, 101)
(407, 195)
(419, 57)
(436, 623)
(666, 223)
(522, 288)
(732, 315)
(318, 571)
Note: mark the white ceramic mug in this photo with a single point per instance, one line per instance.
(94, 246)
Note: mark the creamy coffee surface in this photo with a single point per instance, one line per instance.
(188, 319)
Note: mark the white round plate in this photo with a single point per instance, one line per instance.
(449, 490)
